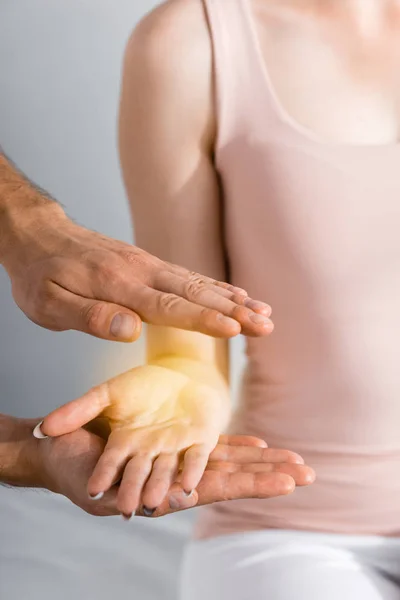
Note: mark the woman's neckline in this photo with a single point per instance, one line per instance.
(305, 133)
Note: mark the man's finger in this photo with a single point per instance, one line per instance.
(176, 500)
(241, 440)
(101, 319)
(220, 487)
(253, 454)
(208, 293)
(75, 414)
(160, 308)
(186, 274)
(198, 289)
(302, 474)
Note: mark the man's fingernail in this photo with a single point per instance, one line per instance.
(237, 290)
(148, 512)
(126, 517)
(37, 432)
(260, 320)
(123, 326)
(256, 305)
(226, 320)
(97, 496)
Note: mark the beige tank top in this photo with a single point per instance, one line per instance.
(312, 228)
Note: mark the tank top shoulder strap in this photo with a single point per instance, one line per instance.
(239, 74)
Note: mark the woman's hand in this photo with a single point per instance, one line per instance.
(161, 420)
(239, 467)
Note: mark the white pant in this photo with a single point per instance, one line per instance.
(292, 565)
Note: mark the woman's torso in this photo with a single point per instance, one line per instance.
(308, 152)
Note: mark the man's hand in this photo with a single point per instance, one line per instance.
(67, 277)
(240, 467)
(159, 418)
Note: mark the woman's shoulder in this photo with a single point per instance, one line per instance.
(177, 26)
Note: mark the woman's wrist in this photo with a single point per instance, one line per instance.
(198, 371)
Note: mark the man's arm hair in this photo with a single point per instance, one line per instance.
(13, 179)
(20, 198)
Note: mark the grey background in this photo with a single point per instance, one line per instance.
(60, 68)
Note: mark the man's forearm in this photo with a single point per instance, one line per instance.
(19, 464)
(21, 202)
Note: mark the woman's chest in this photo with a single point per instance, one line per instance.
(339, 83)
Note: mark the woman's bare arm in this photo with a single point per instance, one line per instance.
(167, 131)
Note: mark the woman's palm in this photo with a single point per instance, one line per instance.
(161, 421)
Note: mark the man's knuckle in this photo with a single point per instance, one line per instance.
(168, 302)
(132, 256)
(192, 289)
(207, 316)
(106, 272)
(44, 300)
(111, 276)
(197, 279)
(195, 286)
(145, 266)
(93, 314)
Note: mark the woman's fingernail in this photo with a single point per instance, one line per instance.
(97, 496)
(260, 320)
(37, 432)
(148, 512)
(123, 326)
(177, 500)
(126, 517)
(174, 502)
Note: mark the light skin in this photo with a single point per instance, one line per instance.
(177, 405)
(334, 54)
(239, 467)
(65, 276)
(354, 30)
(342, 58)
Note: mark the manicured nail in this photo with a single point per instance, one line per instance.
(123, 326)
(177, 500)
(37, 432)
(126, 517)
(260, 320)
(97, 496)
(174, 502)
(148, 512)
